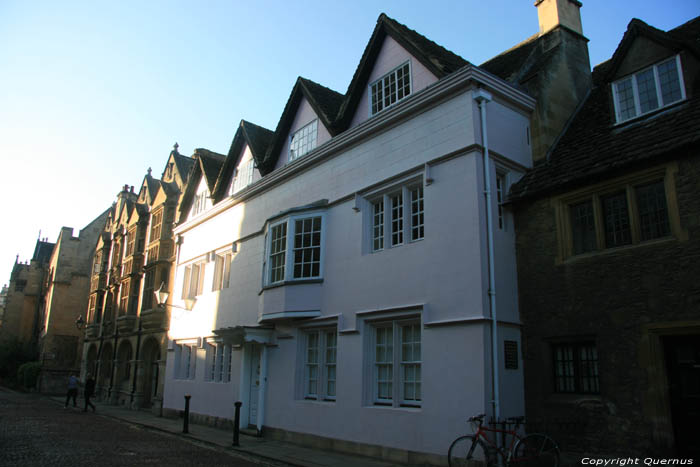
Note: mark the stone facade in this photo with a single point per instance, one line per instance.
(611, 331)
(125, 338)
(65, 298)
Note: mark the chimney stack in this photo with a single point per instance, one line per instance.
(554, 13)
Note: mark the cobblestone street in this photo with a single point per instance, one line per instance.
(35, 431)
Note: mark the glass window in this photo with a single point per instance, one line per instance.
(583, 227)
(576, 368)
(648, 90)
(320, 364)
(305, 235)
(156, 222)
(303, 140)
(653, 213)
(616, 220)
(244, 175)
(401, 224)
(397, 372)
(222, 271)
(390, 88)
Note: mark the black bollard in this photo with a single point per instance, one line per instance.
(237, 422)
(186, 421)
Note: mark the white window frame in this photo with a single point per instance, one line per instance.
(323, 364)
(218, 362)
(384, 234)
(222, 271)
(397, 379)
(192, 289)
(289, 263)
(199, 204)
(307, 142)
(635, 90)
(186, 360)
(244, 176)
(381, 79)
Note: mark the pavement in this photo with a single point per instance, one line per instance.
(255, 447)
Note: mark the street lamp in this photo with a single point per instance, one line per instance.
(80, 322)
(162, 297)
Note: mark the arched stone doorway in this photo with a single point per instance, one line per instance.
(106, 358)
(151, 371)
(124, 357)
(91, 361)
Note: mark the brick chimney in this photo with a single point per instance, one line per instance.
(553, 13)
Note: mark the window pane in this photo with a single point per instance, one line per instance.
(417, 218)
(646, 86)
(390, 89)
(583, 227)
(669, 82)
(307, 247)
(378, 225)
(397, 219)
(383, 362)
(303, 140)
(410, 361)
(616, 219)
(653, 213)
(278, 248)
(625, 99)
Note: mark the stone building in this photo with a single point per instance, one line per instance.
(608, 242)
(338, 275)
(125, 338)
(24, 299)
(66, 284)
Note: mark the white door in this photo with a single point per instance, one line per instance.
(254, 384)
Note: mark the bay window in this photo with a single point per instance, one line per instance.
(294, 248)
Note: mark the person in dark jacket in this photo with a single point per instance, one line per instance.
(72, 389)
(88, 392)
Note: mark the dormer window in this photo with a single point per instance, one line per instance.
(652, 88)
(390, 88)
(244, 176)
(200, 201)
(303, 140)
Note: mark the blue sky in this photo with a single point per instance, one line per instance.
(92, 94)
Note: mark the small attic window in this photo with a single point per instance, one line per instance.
(244, 175)
(303, 140)
(654, 87)
(200, 202)
(390, 88)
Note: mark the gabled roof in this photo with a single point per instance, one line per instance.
(184, 164)
(593, 147)
(325, 102)
(258, 140)
(684, 37)
(150, 184)
(438, 60)
(208, 164)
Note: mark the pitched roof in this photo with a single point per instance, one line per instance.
(258, 140)
(593, 146)
(437, 59)
(184, 164)
(325, 102)
(210, 164)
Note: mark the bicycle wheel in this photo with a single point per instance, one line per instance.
(468, 451)
(535, 450)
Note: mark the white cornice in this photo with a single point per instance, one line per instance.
(463, 79)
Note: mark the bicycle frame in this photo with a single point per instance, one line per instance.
(505, 452)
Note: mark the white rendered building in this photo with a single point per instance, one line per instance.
(339, 269)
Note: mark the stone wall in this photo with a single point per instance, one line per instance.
(614, 298)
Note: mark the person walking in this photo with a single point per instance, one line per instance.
(88, 392)
(72, 390)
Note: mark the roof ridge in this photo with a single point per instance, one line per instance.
(522, 43)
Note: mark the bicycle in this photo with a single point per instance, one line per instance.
(533, 450)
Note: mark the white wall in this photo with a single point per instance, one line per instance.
(446, 272)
